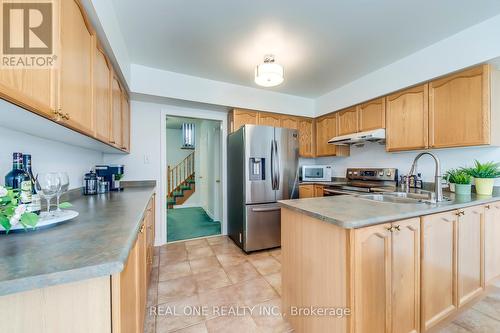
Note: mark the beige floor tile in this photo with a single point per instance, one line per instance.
(241, 272)
(152, 295)
(476, 321)
(211, 280)
(196, 243)
(156, 260)
(227, 248)
(229, 259)
(218, 298)
(199, 252)
(175, 315)
(154, 274)
(453, 328)
(218, 240)
(266, 266)
(490, 305)
(268, 317)
(225, 324)
(257, 255)
(174, 270)
(149, 323)
(255, 291)
(275, 281)
(171, 256)
(205, 264)
(174, 289)
(175, 246)
(198, 328)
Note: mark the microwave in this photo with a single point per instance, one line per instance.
(314, 173)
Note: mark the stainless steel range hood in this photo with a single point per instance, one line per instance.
(377, 135)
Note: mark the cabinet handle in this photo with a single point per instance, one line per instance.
(390, 229)
(65, 116)
(487, 207)
(398, 228)
(142, 229)
(460, 213)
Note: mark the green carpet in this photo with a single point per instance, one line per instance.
(186, 223)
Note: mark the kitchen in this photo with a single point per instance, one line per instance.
(346, 109)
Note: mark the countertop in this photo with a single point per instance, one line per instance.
(351, 212)
(96, 243)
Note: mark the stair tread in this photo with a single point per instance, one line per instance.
(185, 187)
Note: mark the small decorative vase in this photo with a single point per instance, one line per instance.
(452, 187)
(484, 186)
(463, 189)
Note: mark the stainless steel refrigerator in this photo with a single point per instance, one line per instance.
(262, 168)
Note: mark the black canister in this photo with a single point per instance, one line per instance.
(90, 183)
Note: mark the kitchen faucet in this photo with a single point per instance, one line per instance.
(438, 190)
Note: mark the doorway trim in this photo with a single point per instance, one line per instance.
(198, 114)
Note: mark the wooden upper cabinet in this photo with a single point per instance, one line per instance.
(372, 267)
(240, 117)
(116, 114)
(491, 243)
(306, 137)
(438, 267)
(289, 122)
(125, 122)
(33, 89)
(470, 253)
(326, 128)
(407, 119)
(372, 115)
(75, 78)
(269, 119)
(102, 95)
(347, 121)
(459, 109)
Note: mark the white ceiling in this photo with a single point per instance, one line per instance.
(322, 44)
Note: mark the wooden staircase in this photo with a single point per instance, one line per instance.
(181, 181)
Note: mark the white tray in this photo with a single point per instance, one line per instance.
(47, 220)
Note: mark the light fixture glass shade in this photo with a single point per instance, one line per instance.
(269, 74)
(188, 136)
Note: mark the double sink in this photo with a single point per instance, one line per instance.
(423, 197)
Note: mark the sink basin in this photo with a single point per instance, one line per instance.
(392, 198)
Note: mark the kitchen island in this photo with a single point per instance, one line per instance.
(372, 266)
(82, 275)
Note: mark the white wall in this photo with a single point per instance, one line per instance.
(47, 156)
(479, 43)
(374, 155)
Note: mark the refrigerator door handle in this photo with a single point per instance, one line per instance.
(271, 209)
(278, 175)
(272, 166)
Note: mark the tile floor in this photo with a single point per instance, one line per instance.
(194, 282)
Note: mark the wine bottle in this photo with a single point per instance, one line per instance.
(19, 180)
(35, 206)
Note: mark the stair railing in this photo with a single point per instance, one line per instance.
(179, 174)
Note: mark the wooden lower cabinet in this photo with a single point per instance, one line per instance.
(306, 191)
(318, 190)
(491, 241)
(387, 277)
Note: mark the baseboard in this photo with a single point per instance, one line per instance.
(210, 215)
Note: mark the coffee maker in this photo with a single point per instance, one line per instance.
(111, 174)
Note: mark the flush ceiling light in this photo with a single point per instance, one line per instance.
(269, 74)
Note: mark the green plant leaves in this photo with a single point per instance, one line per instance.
(5, 223)
(484, 170)
(29, 219)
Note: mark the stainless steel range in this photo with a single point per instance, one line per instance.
(365, 180)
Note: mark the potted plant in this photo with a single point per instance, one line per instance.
(484, 176)
(12, 212)
(450, 176)
(462, 181)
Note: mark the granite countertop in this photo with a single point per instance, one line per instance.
(96, 243)
(351, 212)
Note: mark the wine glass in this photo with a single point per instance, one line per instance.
(47, 185)
(64, 182)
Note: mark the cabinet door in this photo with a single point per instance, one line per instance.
(318, 190)
(491, 239)
(116, 115)
(459, 113)
(405, 264)
(306, 143)
(289, 122)
(306, 191)
(269, 119)
(141, 288)
(75, 79)
(372, 115)
(102, 95)
(347, 121)
(407, 119)
(470, 253)
(372, 279)
(33, 89)
(125, 127)
(326, 128)
(438, 267)
(242, 117)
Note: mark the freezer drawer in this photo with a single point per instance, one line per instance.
(262, 227)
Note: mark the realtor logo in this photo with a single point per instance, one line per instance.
(28, 34)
